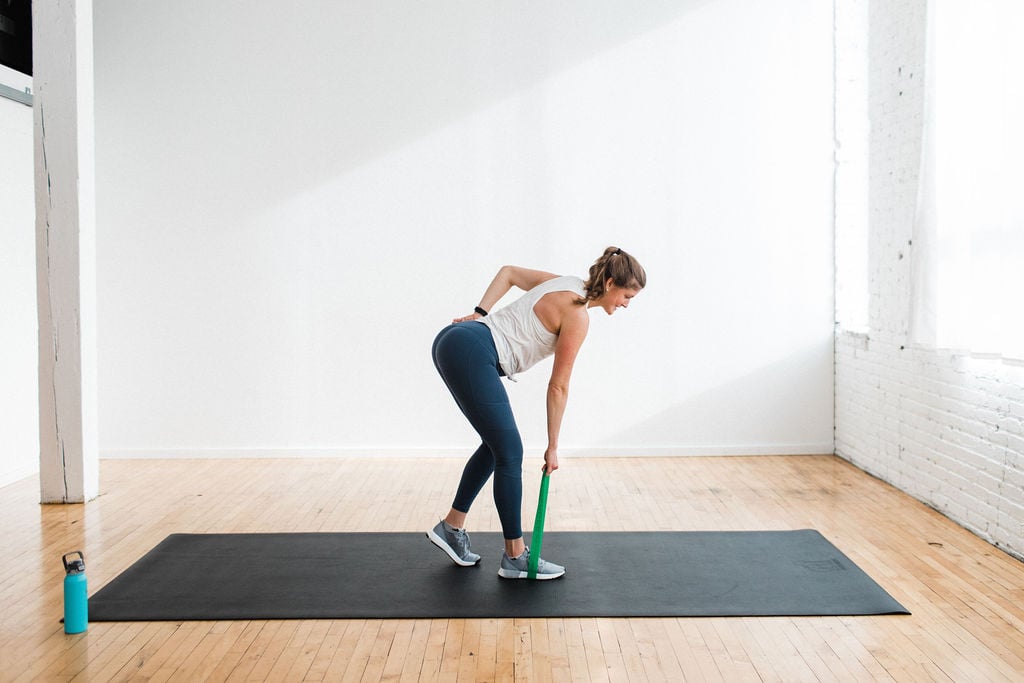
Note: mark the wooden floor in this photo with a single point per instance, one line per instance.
(966, 596)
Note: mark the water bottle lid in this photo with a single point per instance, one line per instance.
(74, 566)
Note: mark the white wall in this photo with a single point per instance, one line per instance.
(19, 378)
(292, 203)
(948, 429)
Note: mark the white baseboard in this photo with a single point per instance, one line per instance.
(463, 451)
(17, 475)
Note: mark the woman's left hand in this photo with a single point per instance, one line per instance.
(471, 316)
(550, 460)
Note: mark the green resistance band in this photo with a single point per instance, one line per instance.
(537, 538)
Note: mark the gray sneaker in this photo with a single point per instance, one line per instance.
(454, 543)
(519, 568)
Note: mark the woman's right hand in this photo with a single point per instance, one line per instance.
(550, 460)
(471, 316)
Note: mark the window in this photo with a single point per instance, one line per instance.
(969, 227)
(852, 132)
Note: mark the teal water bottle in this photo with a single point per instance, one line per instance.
(76, 595)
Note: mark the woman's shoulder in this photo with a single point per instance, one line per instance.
(558, 305)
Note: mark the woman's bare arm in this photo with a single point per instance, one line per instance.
(507, 278)
(570, 338)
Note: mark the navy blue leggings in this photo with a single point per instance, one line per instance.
(465, 355)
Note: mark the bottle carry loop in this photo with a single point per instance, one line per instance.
(75, 566)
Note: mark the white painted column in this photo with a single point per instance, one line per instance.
(65, 249)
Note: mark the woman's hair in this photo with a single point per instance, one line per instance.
(614, 263)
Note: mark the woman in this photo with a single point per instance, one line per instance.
(475, 351)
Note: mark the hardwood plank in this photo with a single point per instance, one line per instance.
(345, 645)
(394, 655)
(412, 663)
(487, 651)
(236, 652)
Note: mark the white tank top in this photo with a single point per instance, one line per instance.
(519, 336)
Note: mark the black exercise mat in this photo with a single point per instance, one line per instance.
(402, 575)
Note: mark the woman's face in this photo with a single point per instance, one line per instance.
(616, 297)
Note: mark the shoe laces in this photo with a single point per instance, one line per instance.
(461, 540)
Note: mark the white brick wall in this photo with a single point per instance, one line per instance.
(945, 428)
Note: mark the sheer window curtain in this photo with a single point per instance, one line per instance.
(968, 271)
